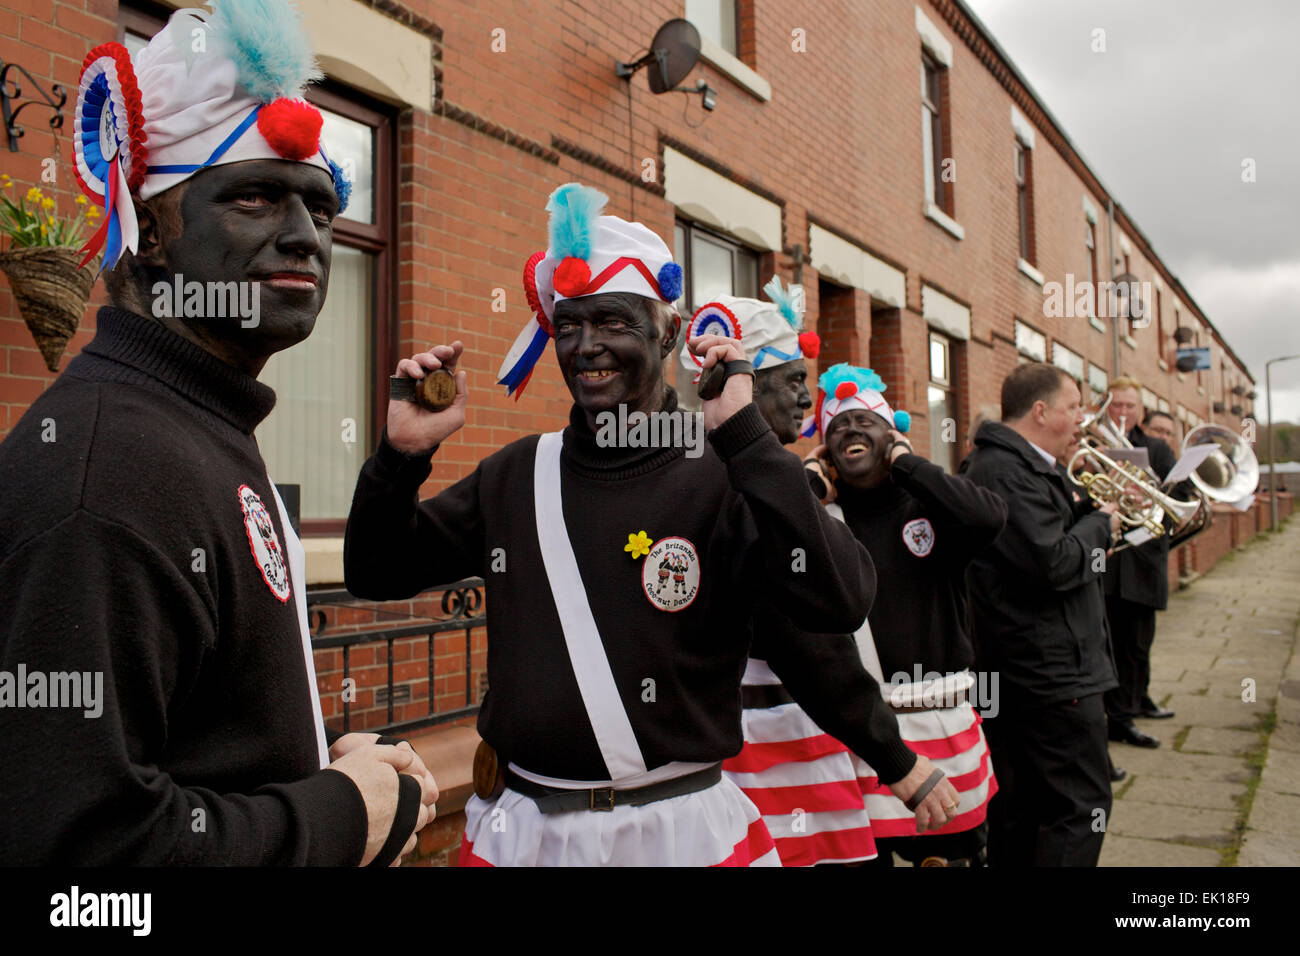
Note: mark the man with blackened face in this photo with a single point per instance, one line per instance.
(801, 689)
(620, 571)
(921, 528)
(611, 350)
(154, 499)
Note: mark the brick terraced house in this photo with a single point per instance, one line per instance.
(886, 155)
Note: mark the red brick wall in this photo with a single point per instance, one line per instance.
(838, 140)
(49, 39)
(368, 664)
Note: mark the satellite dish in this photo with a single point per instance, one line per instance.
(674, 51)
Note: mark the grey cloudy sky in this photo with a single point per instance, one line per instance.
(1184, 92)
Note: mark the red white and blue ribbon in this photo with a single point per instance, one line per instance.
(712, 318)
(108, 147)
(518, 366)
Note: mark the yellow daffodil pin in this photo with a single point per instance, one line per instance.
(638, 544)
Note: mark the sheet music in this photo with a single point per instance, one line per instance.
(1189, 462)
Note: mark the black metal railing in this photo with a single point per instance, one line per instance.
(462, 603)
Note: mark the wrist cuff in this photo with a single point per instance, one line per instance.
(739, 431)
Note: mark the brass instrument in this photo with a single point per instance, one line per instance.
(1229, 473)
(1142, 503)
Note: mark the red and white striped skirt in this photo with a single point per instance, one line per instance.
(954, 742)
(717, 826)
(803, 781)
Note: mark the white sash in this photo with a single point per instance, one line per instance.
(609, 721)
(866, 643)
(298, 582)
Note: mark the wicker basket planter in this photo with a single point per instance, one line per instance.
(51, 291)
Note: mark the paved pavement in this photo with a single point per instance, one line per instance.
(1223, 789)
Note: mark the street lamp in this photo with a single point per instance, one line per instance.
(1272, 463)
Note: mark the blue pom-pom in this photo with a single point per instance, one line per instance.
(342, 185)
(902, 422)
(670, 281)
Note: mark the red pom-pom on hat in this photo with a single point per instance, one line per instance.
(572, 277)
(292, 127)
(810, 344)
(845, 390)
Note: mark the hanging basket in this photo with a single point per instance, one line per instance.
(52, 293)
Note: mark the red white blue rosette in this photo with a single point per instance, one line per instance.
(109, 151)
(712, 318)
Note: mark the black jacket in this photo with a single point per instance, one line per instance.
(1036, 611)
(1141, 574)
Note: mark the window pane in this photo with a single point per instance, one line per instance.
(352, 146)
(938, 360)
(320, 383)
(134, 43)
(927, 152)
(746, 274)
(715, 19)
(943, 423)
(710, 269)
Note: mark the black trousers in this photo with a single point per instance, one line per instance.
(1132, 631)
(1053, 800)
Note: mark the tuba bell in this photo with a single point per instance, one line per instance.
(1231, 471)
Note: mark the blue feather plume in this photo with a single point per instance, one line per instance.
(780, 297)
(266, 41)
(574, 209)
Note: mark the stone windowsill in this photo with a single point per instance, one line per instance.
(1030, 271)
(742, 75)
(1097, 323)
(950, 225)
(1130, 342)
(324, 561)
(1164, 366)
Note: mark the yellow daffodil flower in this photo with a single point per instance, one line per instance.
(80, 200)
(47, 204)
(92, 212)
(638, 544)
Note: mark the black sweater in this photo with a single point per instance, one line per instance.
(744, 505)
(206, 702)
(920, 613)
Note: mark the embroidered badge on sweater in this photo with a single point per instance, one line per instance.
(264, 543)
(670, 575)
(918, 535)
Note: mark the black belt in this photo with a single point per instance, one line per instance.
(762, 696)
(561, 800)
